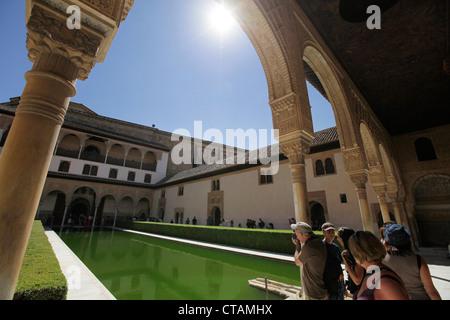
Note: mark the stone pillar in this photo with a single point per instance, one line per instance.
(296, 156)
(26, 157)
(294, 132)
(60, 56)
(380, 190)
(360, 180)
(395, 205)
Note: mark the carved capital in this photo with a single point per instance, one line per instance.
(48, 31)
(359, 178)
(295, 150)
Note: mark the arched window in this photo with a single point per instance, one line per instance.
(424, 149)
(148, 178)
(329, 166)
(113, 174)
(320, 170)
(87, 169)
(131, 176)
(64, 166)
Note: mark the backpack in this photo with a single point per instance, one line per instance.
(332, 274)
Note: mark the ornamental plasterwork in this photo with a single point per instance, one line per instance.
(354, 159)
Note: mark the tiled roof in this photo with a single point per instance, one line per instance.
(324, 140)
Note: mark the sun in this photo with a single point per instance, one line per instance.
(221, 19)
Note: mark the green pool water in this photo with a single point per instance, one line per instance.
(137, 267)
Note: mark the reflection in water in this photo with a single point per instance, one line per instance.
(144, 268)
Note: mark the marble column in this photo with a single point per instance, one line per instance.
(61, 55)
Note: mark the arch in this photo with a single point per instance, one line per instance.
(116, 155)
(52, 209)
(432, 209)
(320, 169)
(334, 90)
(317, 215)
(69, 146)
(93, 151)
(143, 209)
(134, 159)
(150, 161)
(369, 146)
(126, 207)
(329, 166)
(271, 54)
(106, 211)
(79, 211)
(216, 215)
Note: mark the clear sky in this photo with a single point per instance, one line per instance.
(169, 66)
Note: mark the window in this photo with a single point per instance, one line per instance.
(94, 171)
(216, 185)
(180, 191)
(424, 149)
(113, 174)
(86, 169)
(90, 170)
(329, 166)
(343, 198)
(64, 166)
(163, 193)
(320, 170)
(265, 176)
(148, 178)
(131, 176)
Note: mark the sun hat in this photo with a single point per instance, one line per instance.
(303, 228)
(397, 235)
(328, 226)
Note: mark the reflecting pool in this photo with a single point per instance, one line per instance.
(137, 267)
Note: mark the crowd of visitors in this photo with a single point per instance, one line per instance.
(377, 270)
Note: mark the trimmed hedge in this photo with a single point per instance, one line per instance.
(278, 241)
(40, 277)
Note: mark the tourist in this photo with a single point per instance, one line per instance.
(411, 268)
(355, 271)
(380, 282)
(333, 274)
(194, 221)
(311, 255)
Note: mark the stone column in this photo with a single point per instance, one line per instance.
(294, 132)
(360, 180)
(380, 190)
(395, 205)
(60, 56)
(26, 157)
(296, 156)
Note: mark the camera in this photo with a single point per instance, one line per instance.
(294, 236)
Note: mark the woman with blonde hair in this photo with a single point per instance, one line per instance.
(380, 282)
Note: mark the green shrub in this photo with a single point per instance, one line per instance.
(277, 241)
(40, 277)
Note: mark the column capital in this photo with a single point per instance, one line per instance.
(359, 178)
(47, 30)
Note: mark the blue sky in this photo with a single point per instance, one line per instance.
(167, 66)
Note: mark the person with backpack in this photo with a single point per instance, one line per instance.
(333, 274)
(410, 267)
